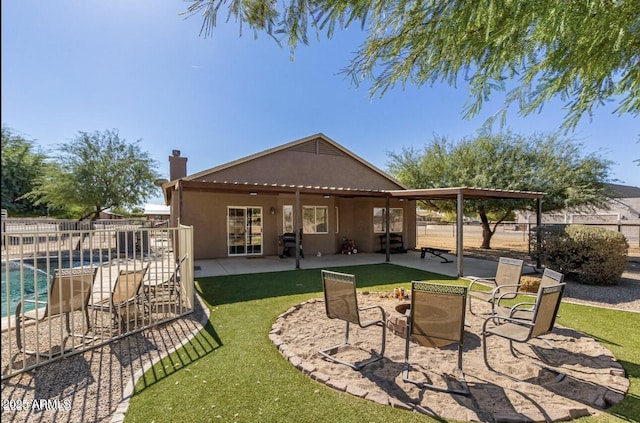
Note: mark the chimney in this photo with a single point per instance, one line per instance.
(177, 166)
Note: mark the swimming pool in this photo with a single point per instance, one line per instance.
(35, 276)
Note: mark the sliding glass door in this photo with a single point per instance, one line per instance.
(244, 228)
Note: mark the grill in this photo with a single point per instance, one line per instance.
(289, 242)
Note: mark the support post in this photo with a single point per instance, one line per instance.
(538, 224)
(298, 214)
(386, 223)
(459, 237)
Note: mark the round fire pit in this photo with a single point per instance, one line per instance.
(403, 307)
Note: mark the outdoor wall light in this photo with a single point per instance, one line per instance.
(272, 210)
(253, 193)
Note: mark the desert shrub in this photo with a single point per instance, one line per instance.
(591, 255)
(530, 283)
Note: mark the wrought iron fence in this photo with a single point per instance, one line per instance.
(66, 288)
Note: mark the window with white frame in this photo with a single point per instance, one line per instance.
(395, 220)
(287, 219)
(315, 219)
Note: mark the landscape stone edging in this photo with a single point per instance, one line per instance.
(323, 378)
(605, 399)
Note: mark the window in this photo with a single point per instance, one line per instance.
(315, 219)
(287, 219)
(337, 221)
(395, 219)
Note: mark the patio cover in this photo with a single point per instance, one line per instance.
(459, 194)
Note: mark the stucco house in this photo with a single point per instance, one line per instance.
(312, 189)
(243, 208)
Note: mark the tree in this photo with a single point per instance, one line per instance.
(544, 163)
(95, 172)
(22, 162)
(585, 52)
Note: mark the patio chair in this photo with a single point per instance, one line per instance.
(157, 285)
(341, 302)
(436, 320)
(523, 330)
(124, 299)
(524, 310)
(507, 277)
(69, 291)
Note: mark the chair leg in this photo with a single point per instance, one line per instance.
(469, 301)
(461, 379)
(327, 352)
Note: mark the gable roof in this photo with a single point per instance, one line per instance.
(623, 191)
(293, 155)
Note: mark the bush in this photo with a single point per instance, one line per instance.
(591, 255)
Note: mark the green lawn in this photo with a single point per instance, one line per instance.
(232, 372)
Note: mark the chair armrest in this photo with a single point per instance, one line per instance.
(517, 307)
(502, 319)
(497, 290)
(484, 282)
(369, 323)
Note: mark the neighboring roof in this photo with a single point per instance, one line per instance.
(623, 191)
(109, 212)
(155, 209)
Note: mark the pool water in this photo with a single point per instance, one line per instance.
(34, 276)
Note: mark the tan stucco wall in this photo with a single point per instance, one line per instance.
(304, 168)
(207, 213)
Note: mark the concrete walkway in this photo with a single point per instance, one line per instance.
(261, 264)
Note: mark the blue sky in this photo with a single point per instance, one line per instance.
(140, 67)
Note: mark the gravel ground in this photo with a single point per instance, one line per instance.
(90, 387)
(624, 296)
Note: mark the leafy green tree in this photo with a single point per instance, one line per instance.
(97, 171)
(584, 52)
(546, 163)
(22, 163)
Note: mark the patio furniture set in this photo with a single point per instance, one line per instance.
(435, 317)
(71, 290)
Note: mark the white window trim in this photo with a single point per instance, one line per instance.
(376, 230)
(315, 216)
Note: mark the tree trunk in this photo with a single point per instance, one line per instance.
(85, 231)
(486, 232)
(486, 236)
